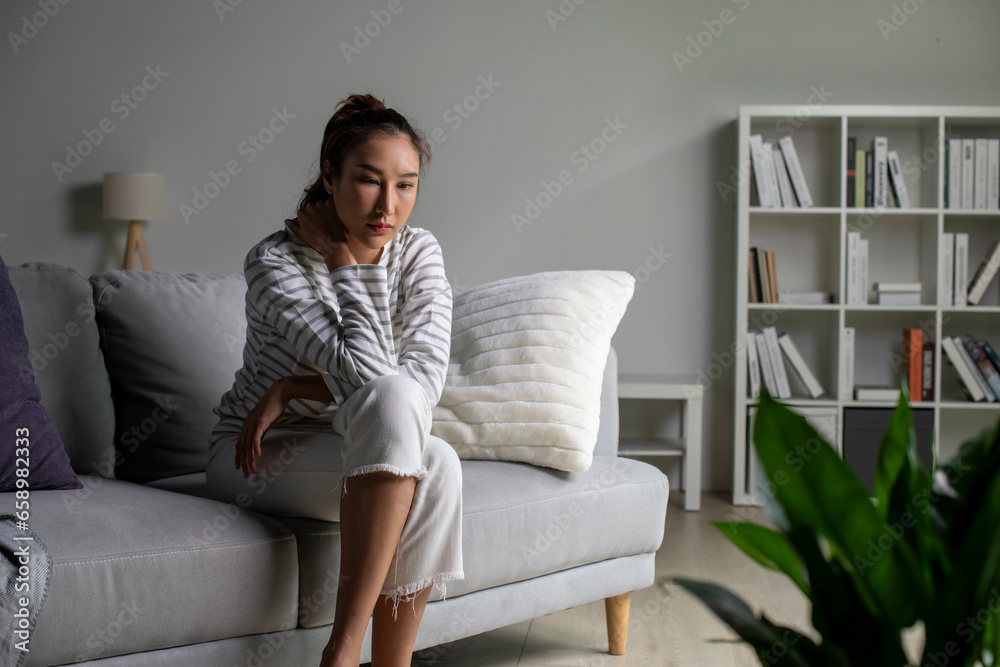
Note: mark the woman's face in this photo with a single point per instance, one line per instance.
(375, 192)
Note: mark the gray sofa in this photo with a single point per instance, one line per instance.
(149, 571)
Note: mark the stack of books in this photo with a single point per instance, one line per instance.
(875, 177)
(763, 276)
(898, 294)
(959, 291)
(778, 174)
(977, 365)
(765, 351)
(972, 174)
(857, 269)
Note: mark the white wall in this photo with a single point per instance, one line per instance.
(654, 186)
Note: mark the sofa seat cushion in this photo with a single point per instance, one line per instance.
(522, 521)
(137, 568)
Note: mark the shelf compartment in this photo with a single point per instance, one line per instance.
(915, 139)
(901, 248)
(815, 336)
(806, 250)
(878, 338)
(817, 143)
(982, 231)
(958, 425)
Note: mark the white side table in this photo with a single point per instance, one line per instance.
(670, 388)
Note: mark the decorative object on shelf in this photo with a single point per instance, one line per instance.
(134, 196)
(830, 541)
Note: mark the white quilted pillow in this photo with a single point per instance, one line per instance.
(527, 364)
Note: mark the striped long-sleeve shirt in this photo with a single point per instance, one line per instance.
(349, 325)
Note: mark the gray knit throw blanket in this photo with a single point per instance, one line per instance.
(25, 568)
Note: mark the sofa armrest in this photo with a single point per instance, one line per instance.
(607, 434)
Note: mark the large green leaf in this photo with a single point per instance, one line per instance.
(775, 645)
(819, 490)
(892, 453)
(768, 547)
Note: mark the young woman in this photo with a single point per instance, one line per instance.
(348, 339)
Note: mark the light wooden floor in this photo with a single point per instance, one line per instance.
(666, 625)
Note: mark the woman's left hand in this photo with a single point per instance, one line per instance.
(270, 407)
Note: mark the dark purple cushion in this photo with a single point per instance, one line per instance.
(28, 438)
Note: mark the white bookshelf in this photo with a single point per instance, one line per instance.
(810, 247)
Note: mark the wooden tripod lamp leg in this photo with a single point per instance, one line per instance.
(616, 610)
(136, 239)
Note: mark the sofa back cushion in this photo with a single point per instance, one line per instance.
(57, 307)
(173, 343)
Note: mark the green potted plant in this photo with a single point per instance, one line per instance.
(925, 550)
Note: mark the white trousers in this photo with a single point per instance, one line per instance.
(384, 426)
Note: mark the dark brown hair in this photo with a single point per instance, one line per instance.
(356, 120)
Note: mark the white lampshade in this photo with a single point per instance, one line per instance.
(134, 196)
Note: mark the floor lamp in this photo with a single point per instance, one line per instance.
(134, 197)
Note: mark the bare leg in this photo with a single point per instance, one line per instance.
(392, 639)
(372, 515)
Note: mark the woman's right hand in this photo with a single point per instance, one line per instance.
(319, 226)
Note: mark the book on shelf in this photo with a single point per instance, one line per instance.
(991, 354)
(752, 284)
(777, 365)
(772, 176)
(753, 366)
(880, 147)
(859, 179)
(898, 294)
(798, 364)
(869, 178)
(852, 171)
(979, 185)
(948, 268)
(758, 158)
(857, 269)
(795, 172)
(898, 182)
(772, 277)
(961, 279)
(847, 364)
(927, 372)
(973, 369)
(993, 175)
(804, 298)
(955, 359)
(968, 169)
(984, 274)
(912, 353)
(784, 185)
(899, 298)
(869, 393)
(953, 174)
(766, 368)
(983, 365)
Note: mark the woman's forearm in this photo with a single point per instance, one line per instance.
(308, 387)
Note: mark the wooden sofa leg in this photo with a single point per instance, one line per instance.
(616, 610)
